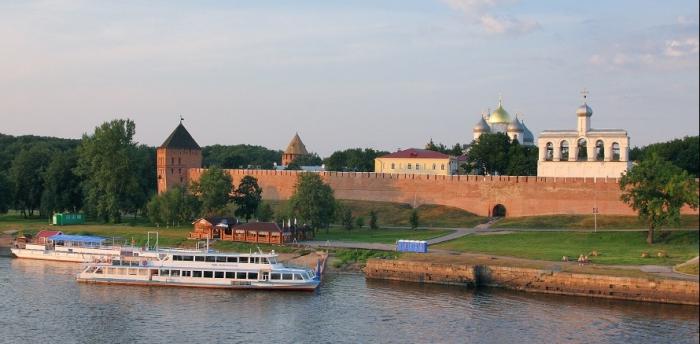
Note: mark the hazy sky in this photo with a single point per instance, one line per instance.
(382, 74)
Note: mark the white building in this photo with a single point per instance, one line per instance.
(499, 121)
(583, 152)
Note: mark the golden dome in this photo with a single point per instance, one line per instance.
(500, 115)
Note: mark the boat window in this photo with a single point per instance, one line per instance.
(116, 262)
(232, 259)
(208, 274)
(274, 276)
(230, 274)
(255, 260)
(286, 276)
(175, 273)
(154, 272)
(164, 272)
(196, 274)
(198, 258)
(240, 275)
(265, 261)
(186, 273)
(273, 260)
(221, 259)
(177, 258)
(187, 258)
(210, 259)
(253, 275)
(243, 259)
(218, 274)
(297, 277)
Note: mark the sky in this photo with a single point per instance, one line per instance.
(343, 74)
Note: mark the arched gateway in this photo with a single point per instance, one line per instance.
(499, 210)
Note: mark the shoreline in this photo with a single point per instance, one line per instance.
(536, 280)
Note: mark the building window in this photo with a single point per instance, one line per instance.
(615, 151)
(392, 165)
(582, 150)
(599, 150)
(172, 171)
(409, 166)
(564, 148)
(433, 166)
(549, 153)
(442, 167)
(417, 167)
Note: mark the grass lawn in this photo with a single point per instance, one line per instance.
(613, 247)
(691, 269)
(381, 235)
(585, 222)
(397, 214)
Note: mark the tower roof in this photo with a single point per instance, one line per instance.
(296, 146)
(180, 138)
(481, 126)
(515, 125)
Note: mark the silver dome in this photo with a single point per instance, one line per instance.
(515, 126)
(482, 126)
(584, 110)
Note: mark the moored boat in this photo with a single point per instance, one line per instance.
(70, 248)
(204, 270)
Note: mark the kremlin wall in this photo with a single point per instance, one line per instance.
(521, 196)
(179, 162)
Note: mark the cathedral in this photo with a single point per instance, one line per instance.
(499, 121)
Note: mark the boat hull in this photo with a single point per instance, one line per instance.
(151, 283)
(71, 257)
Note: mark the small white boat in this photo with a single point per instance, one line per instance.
(70, 248)
(204, 270)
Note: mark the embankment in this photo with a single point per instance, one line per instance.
(536, 280)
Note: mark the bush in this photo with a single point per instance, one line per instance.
(360, 221)
(373, 220)
(413, 220)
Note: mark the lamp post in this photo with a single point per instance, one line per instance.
(595, 219)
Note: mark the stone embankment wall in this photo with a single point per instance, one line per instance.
(521, 196)
(534, 280)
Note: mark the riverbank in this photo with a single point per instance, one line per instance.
(622, 285)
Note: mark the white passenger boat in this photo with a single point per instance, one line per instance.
(70, 248)
(207, 270)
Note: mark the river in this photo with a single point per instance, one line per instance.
(41, 302)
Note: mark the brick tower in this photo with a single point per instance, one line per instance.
(294, 149)
(175, 156)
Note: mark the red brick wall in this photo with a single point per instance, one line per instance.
(521, 196)
(173, 164)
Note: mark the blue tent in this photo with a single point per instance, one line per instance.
(78, 238)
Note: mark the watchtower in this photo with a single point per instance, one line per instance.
(175, 156)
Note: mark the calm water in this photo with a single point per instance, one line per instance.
(41, 302)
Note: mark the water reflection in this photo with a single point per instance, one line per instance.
(42, 299)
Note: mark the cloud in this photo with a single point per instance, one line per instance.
(507, 25)
(477, 13)
(681, 48)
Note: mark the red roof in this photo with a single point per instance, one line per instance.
(47, 233)
(415, 153)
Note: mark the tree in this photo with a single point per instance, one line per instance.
(413, 220)
(173, 207)
(354, 159)
(240, 156)
(26, 178)
(489, 154)
(265, 212)
(247, 197)
(313, 201)
(373, 219)
(5, 193)
(657, 190)
(522, 160)
(360, 222)
(346, 218)
(680, 152)
(61, 186)
(108, 163)
(311, 159)
(214, 190)
(455, 150)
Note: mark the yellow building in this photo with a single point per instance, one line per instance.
(416, 161)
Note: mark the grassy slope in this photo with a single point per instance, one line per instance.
(585, 222)
(613, 247)
(382, 235)
(397, 214)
